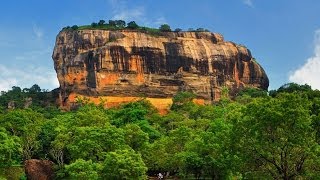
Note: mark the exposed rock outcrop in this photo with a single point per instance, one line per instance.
(124, 65)
(36, 169)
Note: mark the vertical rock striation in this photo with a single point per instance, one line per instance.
(126, 64)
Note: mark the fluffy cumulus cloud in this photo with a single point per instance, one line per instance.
(309, 73)
(27, 77)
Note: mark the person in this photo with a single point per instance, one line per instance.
(160, 176)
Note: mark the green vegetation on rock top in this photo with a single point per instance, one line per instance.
(113, 25)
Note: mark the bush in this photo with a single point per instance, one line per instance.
(132, 25)
(124, 164)
(165, 28)
(74, 27)
(94, 24)
(82, 169)
(177, 30)
(101, 22)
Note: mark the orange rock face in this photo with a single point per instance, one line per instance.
(124, 65)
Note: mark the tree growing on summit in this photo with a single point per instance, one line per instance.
(94, 24)
(101, 22)
(132, 25)
(112, 23)
(177, 30)
(120, 23)
(74, 27)
(165, 28)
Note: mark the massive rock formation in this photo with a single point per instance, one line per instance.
(124, 65)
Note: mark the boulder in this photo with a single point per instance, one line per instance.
(36, 169)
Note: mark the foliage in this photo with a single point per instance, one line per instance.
(90, 143)
(74, 27)
(253, 136)
(20, 97)
(13, 172)
(253, 92)
(291, 87)
(131, 112)
(82, 169)
(132, 25)
(101, 22)
(181, 99)
(135, 137)
(124, 164)
(113, 25)
(202, 30)
(278, 136)
(26, 125)
(165, 28)
(178, 30)
(10, 148)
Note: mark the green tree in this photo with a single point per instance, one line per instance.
(131, 112)
(92, 142)
(124, 164)
(178, 30)
(14, 95)
(25, 124)
(83, 170)
(112, 23)
(94, 25)
(181, 99)
(291, 87)
(132, 25)
(101, 22)
(10, 148)
(155, 155)
(200, 29)
(276, 137)
(74, 27)
(192, 163)
(135, 137)
(253, 92)
(35, 88)
(165, 28)
(120, 23)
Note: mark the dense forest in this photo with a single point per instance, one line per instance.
(255, 135)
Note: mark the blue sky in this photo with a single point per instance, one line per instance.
(283, 35)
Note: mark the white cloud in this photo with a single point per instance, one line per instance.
(6, 84)
(123, 12)
(130, 12)
(38, 32)
(133, 14)
(309, 73)
(248, 3)
(26, 77)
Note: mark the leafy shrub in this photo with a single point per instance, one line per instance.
(165, 28)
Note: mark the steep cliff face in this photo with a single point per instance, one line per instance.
(123, 65)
